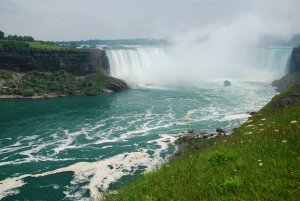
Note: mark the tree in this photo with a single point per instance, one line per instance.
(12, 37)
(2, 35)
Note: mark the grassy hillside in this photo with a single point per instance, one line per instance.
(259, 161)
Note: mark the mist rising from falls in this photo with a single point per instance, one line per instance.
(169, 66)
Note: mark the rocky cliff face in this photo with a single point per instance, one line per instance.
(78, 62)
(295, 61)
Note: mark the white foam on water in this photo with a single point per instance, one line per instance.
(12, 148)
(105, 147)
(30, 138)
(37, 159)
(143, 130)
(10, 186)
(66, 143)
(163, 142)
(102, 141)
(102, 173)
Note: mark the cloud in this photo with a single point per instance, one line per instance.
(86, 19)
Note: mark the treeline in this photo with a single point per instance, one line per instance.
(11, 46)
(28, 47)
(94, 43)
(15, 37)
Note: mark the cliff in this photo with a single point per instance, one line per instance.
(295, 60)
(78, 62)
(286, 81)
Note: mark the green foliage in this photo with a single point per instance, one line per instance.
(94, 43)
(219, 158)
(259, 161)
(6, 75)
(96, 83)
(231, 185)
(59, 82)
(28, 47)
(18, 47)
(2, 35)
(44, 46)
(19, 38)
(28, 92)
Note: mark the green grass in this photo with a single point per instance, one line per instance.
(259, 161)
(44, 46)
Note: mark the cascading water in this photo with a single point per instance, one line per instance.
(274, 59)
(144, 65)
(133, 64)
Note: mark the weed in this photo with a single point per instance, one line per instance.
(231, 185)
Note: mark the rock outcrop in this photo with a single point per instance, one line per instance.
(81, 62)
(295, 60)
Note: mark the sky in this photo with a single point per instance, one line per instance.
(116, 19)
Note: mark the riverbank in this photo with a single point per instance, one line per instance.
(259, 161)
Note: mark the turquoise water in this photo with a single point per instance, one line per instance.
(71, 148)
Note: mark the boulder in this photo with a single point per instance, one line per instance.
(205, 136)
(220, 130)
(286, 102)
(252, 113)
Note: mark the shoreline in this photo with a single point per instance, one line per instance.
(52, 95)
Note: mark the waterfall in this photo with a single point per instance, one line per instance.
(275, 60)
(142, 65)
(135, 64)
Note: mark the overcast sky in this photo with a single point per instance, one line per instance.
(112, 19)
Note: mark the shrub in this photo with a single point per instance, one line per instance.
(218, 158)
(28, 92)
(92, 92)
(11, 46)
(6, 75)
